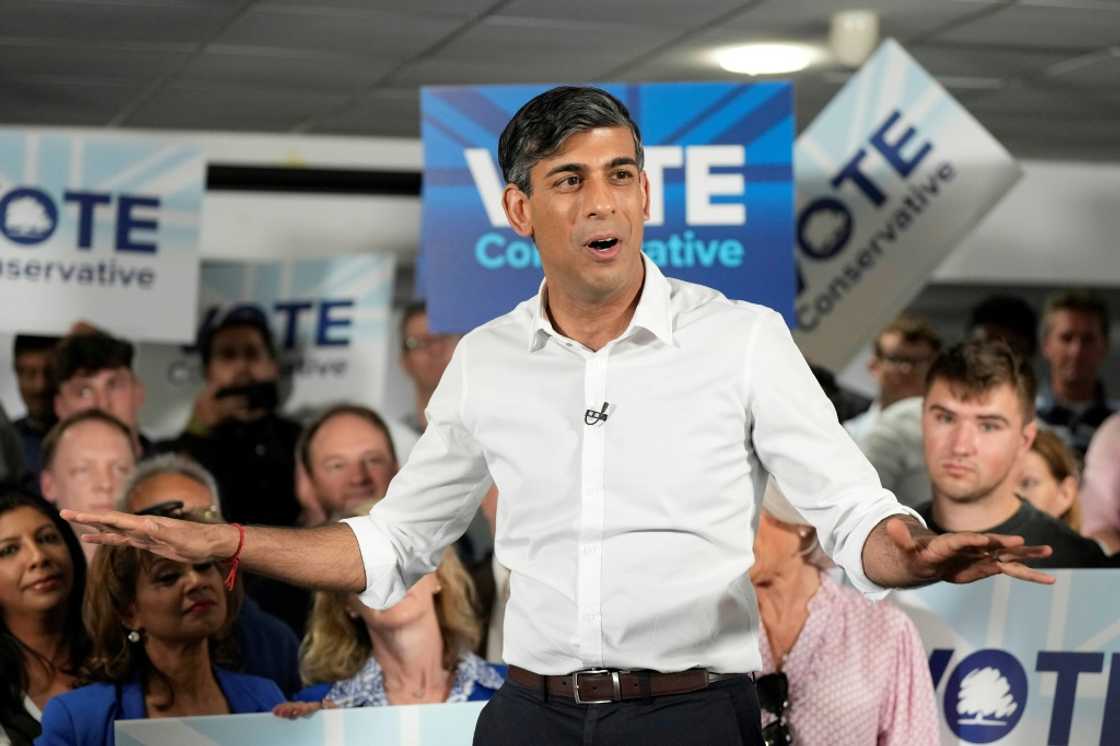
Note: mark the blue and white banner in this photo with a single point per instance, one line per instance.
(330, 320)
(718, 156)
(890, 176)
(407, 725)
(1023, 664)
(99, 227)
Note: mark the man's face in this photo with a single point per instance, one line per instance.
(351, 464)
(113, 390)
(238, 357)
(1075, 346)
(585, 214)
(900, 367)
(90, 463)
(34, 389)
(972, 445)
(425, 355)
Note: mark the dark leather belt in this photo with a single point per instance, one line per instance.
(600, 685)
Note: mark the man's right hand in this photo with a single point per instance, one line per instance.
(210, 410)
(181, 541)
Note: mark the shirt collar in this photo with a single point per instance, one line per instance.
(654, 311)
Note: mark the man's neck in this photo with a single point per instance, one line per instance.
(983, 514)
(594, 322)
(1074, 392)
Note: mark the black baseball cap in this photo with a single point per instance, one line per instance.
(237, 316)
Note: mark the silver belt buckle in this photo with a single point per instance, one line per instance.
(615, 685)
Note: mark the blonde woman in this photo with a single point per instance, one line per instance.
(1049, 478)
(416, 652)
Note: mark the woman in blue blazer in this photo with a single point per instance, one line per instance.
(158, 630)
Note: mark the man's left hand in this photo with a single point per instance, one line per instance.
(961, 557)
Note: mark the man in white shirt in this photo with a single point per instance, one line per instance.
(900, 356)
(630, 423)
(890, 434)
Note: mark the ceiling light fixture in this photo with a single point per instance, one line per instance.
(766, 59)
(853, 35)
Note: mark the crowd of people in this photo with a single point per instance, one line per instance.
(89, 635)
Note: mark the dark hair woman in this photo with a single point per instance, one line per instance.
(158, 630)
(42, 640)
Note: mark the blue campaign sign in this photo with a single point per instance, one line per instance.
(719, 161)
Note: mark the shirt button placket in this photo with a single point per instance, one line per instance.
(590, 559)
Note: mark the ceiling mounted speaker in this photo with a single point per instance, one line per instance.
(853, 35)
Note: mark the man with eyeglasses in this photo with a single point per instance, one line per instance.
(890, 433)
(424, 357)
(177, 487)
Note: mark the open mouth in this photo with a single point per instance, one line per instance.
(603, 244)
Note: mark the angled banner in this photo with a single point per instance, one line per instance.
(890, 176)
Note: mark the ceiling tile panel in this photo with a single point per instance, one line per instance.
(77, 103)
(1099, 71)
(981, 61)
(394, 112)
(556, 45)
(441, 71)
(344, 31)
(285, 70)
(461, 9)
(78, 60)
(229, 108)
(903, 19)
(89, 22)
(1047, 26)
(665, 13)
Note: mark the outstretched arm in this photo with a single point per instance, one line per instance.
(326, 557)
(901, 553)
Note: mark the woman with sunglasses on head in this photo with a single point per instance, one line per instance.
(42, 640)
(838, 669)
(415, 652)
(178, 487)
(159, 631)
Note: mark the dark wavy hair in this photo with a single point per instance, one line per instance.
(12, 649)
(111, 591)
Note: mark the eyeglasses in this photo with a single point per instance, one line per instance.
(414, 344)
(174, 509)
(903, 361)
(773, 697)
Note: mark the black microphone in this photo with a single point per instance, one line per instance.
(591, 417)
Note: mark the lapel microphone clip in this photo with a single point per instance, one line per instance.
(591, 417)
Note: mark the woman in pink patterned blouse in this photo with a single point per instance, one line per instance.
(856, 669)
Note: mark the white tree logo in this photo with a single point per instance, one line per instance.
(984, 694)
(27, 217)
(825, 229)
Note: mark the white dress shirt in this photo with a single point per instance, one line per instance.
(629, 540)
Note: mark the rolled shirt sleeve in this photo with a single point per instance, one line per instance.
(430, 502)
(800, 442)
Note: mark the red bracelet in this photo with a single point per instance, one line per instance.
(235, 560)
